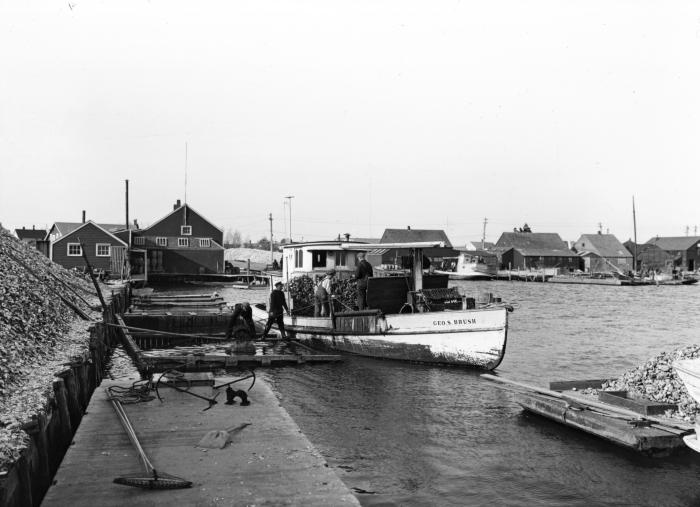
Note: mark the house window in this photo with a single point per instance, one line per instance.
(186, 230)
(341, 259)
(103, 249)
(183, 241)
(298, 258)
(74, 250)
(204, 242)
(162, 241)
(318, 259)
(139, 240)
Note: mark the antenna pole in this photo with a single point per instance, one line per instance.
(185, 172)
(127, 204)
(483, 235)
(289, 198)
(634, 219)
(272, 256)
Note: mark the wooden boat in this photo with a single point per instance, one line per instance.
(688, 370)
(470, 265)
(416, 318)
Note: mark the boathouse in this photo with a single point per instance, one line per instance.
(536, 250)
(650, 257)
(30, 236)
(182, 242)
(399, 256)
(603, 253)
(103, 248)
(685, 250)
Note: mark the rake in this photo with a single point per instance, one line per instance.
(152, 479)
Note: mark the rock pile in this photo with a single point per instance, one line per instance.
(38, 333)
(657, 380)
(302, 289)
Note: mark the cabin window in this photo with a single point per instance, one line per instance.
(318, 259)
(204, 242)
(186, 230)
(183, 241)
(103, 249)
(298, 258)
(341, 258)
(74, 250)
(162, 241)
(139, 240)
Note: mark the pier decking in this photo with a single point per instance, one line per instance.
(269, 462)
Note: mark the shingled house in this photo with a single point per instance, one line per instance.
(408, 235)
(650, 257)
(182, 242)
(103, 248)
(684, 249)
(535, 250)
(603, 253)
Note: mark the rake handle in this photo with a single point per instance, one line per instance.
(130, 432)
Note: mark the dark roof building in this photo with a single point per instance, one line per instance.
(30, 235)
(684, 249)
(535, 250)
(603, 253)
(182, 242)
(650, 256)
(103, 249)
(409, 235)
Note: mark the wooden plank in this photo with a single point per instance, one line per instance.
(568, 385)
(641, 406)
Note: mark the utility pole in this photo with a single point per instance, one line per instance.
(695, 233)
(483, 235)
(687, 230)
(600, 228)
(272, 256)
(289, 198)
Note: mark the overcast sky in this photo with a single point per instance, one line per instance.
(372, 114)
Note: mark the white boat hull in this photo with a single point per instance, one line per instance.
(688, 370)
(474, 338)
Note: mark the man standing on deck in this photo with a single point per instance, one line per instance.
(362, 273)
(276, 309)
(322, 296)
(244, 312)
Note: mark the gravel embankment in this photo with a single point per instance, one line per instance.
(38, 334)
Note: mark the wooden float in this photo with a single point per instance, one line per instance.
(617, 417)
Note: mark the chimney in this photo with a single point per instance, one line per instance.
(408, 228)
(83, 216)
(347, 236)
(176, 205)
(136, 224)
(33, 227)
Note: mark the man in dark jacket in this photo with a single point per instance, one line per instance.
(362, 273)
(276, 309)
(242, 315)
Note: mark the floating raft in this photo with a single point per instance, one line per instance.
(637, 424)
(209, 357)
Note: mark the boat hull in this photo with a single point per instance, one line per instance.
(471, 338)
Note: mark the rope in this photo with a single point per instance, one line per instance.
(139, 392)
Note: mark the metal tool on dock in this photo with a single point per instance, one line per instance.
(217, 439)
(152, 479)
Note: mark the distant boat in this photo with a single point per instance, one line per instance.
(470, 265)
(688, 371)
(417, 318)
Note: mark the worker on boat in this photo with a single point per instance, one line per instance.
(242, 315)
(276, 309)
(362, 274)
(322, 295)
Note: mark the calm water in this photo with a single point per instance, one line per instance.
(404, 434)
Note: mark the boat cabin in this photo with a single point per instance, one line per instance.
(317, 258)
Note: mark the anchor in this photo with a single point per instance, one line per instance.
(211, 401)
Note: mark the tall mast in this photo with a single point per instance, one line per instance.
(634, 219)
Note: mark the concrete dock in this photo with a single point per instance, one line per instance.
(269, 462)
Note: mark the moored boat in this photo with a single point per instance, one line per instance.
(417, 318)
(688, 370)
(470, 265)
